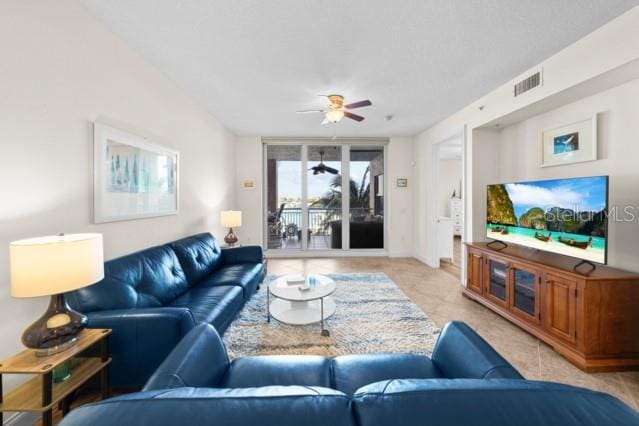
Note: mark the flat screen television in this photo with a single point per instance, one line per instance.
(565, 216)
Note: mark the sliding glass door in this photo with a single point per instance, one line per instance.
(324, 196)
(366, 228)
(283, 197)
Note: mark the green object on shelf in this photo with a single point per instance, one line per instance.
(62, 373)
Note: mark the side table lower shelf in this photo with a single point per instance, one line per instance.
(28, 396)
(40, 394)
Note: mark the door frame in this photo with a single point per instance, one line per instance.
(345, 144)
(434, 260)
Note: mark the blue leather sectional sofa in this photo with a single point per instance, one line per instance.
(464, 383)
(154, 297)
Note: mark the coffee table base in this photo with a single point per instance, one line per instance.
(301, 313)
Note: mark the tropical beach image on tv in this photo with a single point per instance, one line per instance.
(565, 216)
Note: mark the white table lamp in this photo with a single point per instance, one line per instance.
(231, 219)
(51, 266)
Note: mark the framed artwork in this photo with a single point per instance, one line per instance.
(402, 182)
(574, 143)
(248, 184)
(132, 177)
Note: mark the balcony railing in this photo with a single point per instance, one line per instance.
(318, 218)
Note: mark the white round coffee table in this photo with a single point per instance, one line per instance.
(290, 305)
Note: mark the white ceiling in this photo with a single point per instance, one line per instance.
(253, 63)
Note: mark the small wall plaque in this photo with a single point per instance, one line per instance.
(248, 184)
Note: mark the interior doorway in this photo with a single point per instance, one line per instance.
(448, 203)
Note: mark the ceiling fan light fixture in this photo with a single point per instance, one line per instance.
(334, 115)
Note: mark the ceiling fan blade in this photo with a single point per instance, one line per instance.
(306, 111)
(353, 116)
(331, 170)
(358, 104)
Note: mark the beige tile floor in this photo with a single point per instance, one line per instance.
(438, 294)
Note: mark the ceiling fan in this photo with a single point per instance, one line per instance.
(337, 110)
(322, 168)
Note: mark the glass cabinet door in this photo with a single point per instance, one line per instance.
(524, 283)
(497, 280)
(525, 294)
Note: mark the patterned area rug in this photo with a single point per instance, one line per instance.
(373, 315)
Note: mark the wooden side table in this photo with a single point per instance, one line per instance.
(40, 394)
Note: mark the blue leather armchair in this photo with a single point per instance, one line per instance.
(153, 298)
(466, 382)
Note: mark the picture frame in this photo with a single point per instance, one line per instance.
(569, 144)
(133, 178)
(401, 182)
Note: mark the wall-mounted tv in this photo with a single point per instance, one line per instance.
(565, 216)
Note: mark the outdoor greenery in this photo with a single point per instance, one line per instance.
(359, 197)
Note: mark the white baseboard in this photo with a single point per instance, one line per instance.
(426, 261)
(22, 419)
(274, 254)
(400, 254)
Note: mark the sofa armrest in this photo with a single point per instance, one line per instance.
(461, 353)
(199, 360)
(140, 340)
(249, 254)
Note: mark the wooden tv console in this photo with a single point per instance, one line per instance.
(592, 320)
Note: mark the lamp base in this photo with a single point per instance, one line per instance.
(56, 349)
(56, 330)
(231, 238)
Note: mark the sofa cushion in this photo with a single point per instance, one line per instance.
(242, 254)
(457, 343)
(481, 402)
(141, 340)
(267, 406)
(278, 370)
(245, 275)
(213, 305)
(199, 255)
(148, 278)
(199, 360)
(350, 372)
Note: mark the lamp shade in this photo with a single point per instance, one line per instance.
(231, 218)
(51, 265)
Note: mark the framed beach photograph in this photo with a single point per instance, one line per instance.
(574, 143)
(133, 177)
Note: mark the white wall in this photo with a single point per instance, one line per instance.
(485, 162)
(450, 173)
(249, 165)
(400, 200)
(61, 69)
(618, 134)
(399, 214)
(606, 49)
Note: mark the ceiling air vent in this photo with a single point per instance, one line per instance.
(528, 83)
